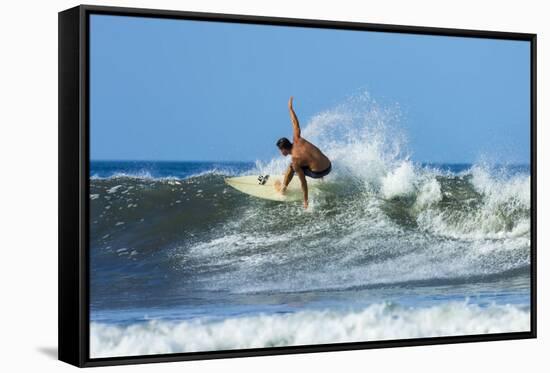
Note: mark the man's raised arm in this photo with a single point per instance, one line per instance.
(295, 123)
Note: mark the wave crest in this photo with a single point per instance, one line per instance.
(377, 322)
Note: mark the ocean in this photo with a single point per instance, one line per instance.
(389, 248)
(179, 261)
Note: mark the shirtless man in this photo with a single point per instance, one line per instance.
(307, 159)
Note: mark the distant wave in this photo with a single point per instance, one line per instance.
(148, 176)
(374, 323)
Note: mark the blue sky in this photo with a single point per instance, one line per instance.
(187, 90)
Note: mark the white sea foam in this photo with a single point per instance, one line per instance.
(374, 323)
(430, 193)
(114, 189)
(399, 182)
(146, 175)
(503, 212)
(501, 189)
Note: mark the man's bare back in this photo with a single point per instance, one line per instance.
(307, 159)
(305, 154)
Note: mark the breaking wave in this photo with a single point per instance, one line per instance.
(377, 322)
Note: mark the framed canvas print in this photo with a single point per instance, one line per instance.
(242, 185)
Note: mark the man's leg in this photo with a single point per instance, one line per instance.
(286, 179)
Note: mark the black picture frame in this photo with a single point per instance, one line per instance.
(73, 301)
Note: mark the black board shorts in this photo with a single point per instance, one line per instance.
(317, 174)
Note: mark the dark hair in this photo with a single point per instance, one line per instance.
(283, 143)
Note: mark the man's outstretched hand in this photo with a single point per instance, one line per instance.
(290, 102)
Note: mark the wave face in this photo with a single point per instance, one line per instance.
(377, 322)
(173, 235)
(424, 224)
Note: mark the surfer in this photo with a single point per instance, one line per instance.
(307, 159)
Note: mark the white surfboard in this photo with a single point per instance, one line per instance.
(263, 186)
